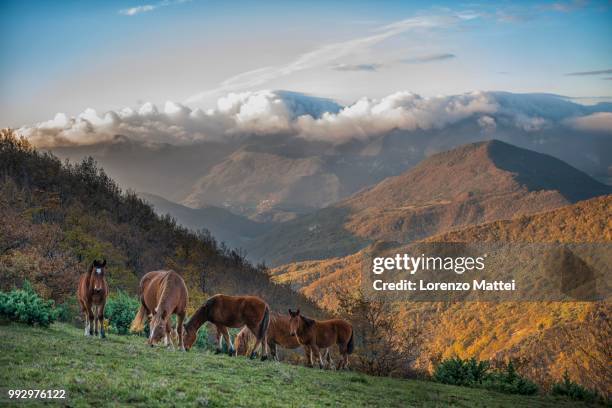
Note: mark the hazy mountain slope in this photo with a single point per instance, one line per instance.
(224, 225)
(159, 168)
(256, 182)
(468, 185)
(544, 338)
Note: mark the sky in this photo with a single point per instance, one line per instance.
(106, 55)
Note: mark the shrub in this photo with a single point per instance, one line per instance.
(510, 382)
(25, 306)
(456, 371)
(570, 389)
(120, 311)
(474, 373)
(202, 338)
(69, 310)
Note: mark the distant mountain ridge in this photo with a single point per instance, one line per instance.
(471, 184)
(225, 226)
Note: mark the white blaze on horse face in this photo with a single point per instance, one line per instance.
(98, 270)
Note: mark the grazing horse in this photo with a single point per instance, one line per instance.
(315, 335)
(92, 294)
(162, 294)
(232, 311)
(278, 335)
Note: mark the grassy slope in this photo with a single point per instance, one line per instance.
(122, 369)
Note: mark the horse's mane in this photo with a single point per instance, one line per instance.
(307, 321)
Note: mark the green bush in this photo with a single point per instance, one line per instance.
(120, 310)
(202, 338)
(570, 389)
(510, 382)
(473, 373)
(456, 371)
(69, 310)
(25, 306)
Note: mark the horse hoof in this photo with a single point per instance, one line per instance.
(217, 351)
(253, 356)
(232, 353)
(264, 358)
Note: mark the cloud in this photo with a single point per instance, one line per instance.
(262, 113)
(132, 11)
(584, 73)
(357, 67)
(428, 58)
(596, 122)
(328, 53)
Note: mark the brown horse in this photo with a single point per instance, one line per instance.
(92, 294)
(278, 335)
(316, 335)
(232, 311)
(162, 294)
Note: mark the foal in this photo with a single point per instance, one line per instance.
(278, 334)
(92, 293)
(315, 335)
(232, 311)
(162, 294)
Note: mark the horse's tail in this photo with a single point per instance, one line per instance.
(265, 322)
(351, 345)
(139, 321)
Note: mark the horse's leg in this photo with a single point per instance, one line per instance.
(179, 330)
(272, 347)
(317, 354)
(101, 320)
(219, 339)
(330, 363)
(95, 320)
(168, 337)
(90, 318)
(228, 340)
(265, 348)
(308, 355)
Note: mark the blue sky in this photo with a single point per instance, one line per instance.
(71, 55)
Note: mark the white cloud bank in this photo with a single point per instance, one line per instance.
(274, 112)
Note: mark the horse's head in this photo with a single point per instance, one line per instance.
(157, 327)
(294, 322)
(189, 336)
(97, 275)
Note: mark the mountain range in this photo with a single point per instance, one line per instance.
(471, 184)
(273, 156)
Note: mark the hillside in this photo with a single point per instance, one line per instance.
(547, 337)
(225, 226)
(469, 185)
(60, 358)
(58, 217)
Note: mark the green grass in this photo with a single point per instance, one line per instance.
(122, 370)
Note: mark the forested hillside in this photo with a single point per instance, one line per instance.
(57, 217)
(545, 339)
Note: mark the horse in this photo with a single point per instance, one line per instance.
(232, 311)
(278, 334)
(162, 294)
(315, 335)
(92, 293)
